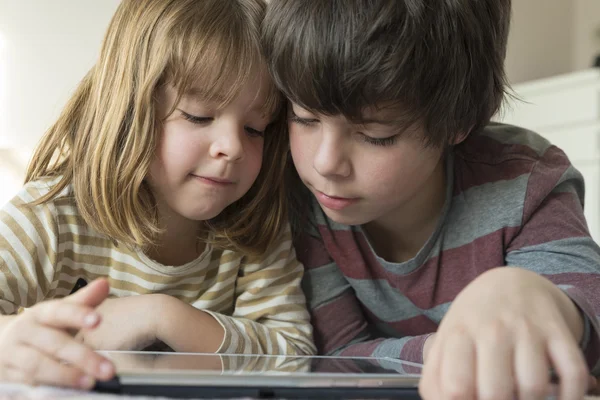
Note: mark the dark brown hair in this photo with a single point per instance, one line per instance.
(440, 62)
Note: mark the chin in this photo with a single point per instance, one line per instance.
(346, 218)
(203, 215)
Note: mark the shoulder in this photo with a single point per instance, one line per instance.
(511, 169)
(500, 143)
(509, 156)
(34, 190)
(27, 199)
(61, 210)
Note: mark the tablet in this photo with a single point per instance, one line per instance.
(194, 375)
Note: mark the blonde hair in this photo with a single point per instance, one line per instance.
(106, 136)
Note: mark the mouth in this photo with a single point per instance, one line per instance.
(334, 202)
(213, 180)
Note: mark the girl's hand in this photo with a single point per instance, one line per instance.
(128, 323)
(500, 338)
(36, 347)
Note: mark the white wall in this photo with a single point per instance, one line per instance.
(46, 47)
(540, 40)
(551, 37)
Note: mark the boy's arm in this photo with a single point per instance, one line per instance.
(270, 315)
(28, 251)
(554, 242)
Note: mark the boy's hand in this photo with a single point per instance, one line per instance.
(128, 323)
(37, 349)
(500, 338)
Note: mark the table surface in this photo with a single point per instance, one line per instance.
(18, 392)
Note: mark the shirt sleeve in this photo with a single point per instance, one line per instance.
(340, 326)
(270, 315)
(28, 246)
(554, 241)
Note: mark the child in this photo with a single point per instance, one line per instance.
(417, 198)
(151, 178)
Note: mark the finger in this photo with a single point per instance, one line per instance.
(495, 375)
(569, 364)
(61, 346)
(61, 314)
(91, 295)
(33, 367)
(429, 382)
(531, 365)
(458, 383)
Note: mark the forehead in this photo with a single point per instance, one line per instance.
(257, 92)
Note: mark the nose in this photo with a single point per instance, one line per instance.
(229, 144)
(331, 159)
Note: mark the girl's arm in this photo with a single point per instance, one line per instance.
(270, 315)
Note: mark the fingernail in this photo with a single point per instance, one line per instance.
(106, 369)
(91, 319)
(86, 382)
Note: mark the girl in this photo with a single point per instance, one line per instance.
(151, 179)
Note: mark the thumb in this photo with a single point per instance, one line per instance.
(91, 295)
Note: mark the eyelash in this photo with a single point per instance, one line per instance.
(203, 120)
(388, 141)
(302, 121)
(367, 139)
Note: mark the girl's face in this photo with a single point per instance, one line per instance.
(208, 157)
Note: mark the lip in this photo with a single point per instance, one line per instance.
(213, 181)
(334, 202)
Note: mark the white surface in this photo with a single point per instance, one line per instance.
(20, 392)
(46, 47)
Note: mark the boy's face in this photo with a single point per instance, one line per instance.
(363, 173)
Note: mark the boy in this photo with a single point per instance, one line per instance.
(434, 234)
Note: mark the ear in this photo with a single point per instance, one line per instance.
(461, 137)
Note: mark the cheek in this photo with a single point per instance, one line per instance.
(300, 149)
(254, 155)
(156, 169)
(402, 170)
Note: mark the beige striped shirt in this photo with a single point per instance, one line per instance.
(46, 249)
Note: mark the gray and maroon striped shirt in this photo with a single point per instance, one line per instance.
(512, 199)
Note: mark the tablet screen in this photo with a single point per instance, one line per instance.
(257, 364)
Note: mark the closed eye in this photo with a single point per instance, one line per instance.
(195, 119)
(388, 141)
(302, 121)
(254, 132)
